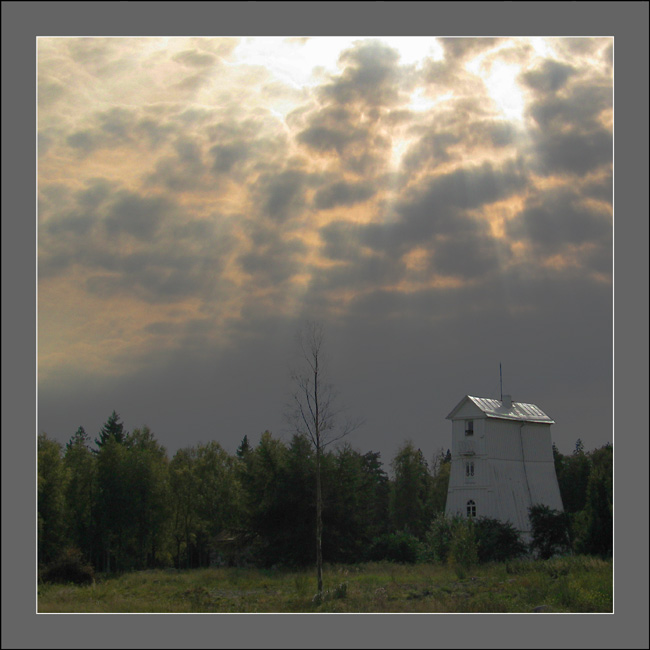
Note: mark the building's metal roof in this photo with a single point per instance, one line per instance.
(493, 408)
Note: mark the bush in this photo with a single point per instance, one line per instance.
(399, 547)
(462, 548)
(550, 529)
(438, 538)
(497, 541)
(69, 567)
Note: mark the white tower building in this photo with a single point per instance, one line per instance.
(501, 461)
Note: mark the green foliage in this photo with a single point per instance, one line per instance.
(207, 501)
(463, 552)
(125, 506)
(595, 537)
(79, 494)
(497, 541)
(572, 476)
(52, 482)
(69, 567)
(464, 542)
(355, 504)
(146, 474)
(411, 503)
(401, 547)
(438, 537)
(113, 429)
(586, 487)
(550, 531)
(440, 487)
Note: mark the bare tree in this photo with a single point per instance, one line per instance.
(316, 413)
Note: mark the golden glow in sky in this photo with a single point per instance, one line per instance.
(196, 185)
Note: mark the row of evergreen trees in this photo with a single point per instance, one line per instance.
(125, 505)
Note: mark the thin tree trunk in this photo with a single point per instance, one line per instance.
(319, 526)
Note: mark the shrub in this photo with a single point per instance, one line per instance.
(438, 539)
(550, 531)
(497, 541)
(462, 548)
(69, 567)
(399, 547)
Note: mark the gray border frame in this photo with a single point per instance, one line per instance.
(23, 22)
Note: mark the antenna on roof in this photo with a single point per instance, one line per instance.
(500, 381)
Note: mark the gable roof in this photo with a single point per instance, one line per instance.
(493, 408)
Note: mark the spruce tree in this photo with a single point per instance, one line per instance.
(112, 429)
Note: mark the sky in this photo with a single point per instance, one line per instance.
(441, 205)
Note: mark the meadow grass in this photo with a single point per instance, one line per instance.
(570, 584)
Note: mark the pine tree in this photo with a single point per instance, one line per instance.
(112, 429)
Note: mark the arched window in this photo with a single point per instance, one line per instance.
(471, 508)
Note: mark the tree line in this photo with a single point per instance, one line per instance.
(123, 504)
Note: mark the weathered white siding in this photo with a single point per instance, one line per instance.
(513, 462)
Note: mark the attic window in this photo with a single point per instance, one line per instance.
(471, 508)
(469, 428)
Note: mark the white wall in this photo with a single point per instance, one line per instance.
(513, 469)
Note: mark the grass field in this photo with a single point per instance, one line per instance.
(571, 584)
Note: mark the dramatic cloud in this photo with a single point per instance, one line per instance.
(443, 205)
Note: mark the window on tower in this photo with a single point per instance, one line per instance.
(471, 508)
(469, 469)
(469, 428)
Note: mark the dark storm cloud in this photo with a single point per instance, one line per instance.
(361, 274)
(332, 129)
(430, 150)
(98, 191)
(135, 215)
(352, 106)
(154, 278)
(468, 256)
(433, 207)
(578, 109)
(342, 193)
(226, 156)
(273, 258)
(170, 256)
(282, 194)
(243, 145)
(186, 263)
(371, 76)
(154, 132)
(570, 136)
(107, 129)
(550, 76)
(556, 219)
(341, 240)
(600, 189)
(577, 153)
(183, 171)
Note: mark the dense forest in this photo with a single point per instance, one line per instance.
(122, 504)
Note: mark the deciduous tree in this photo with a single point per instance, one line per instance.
(316, 413)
